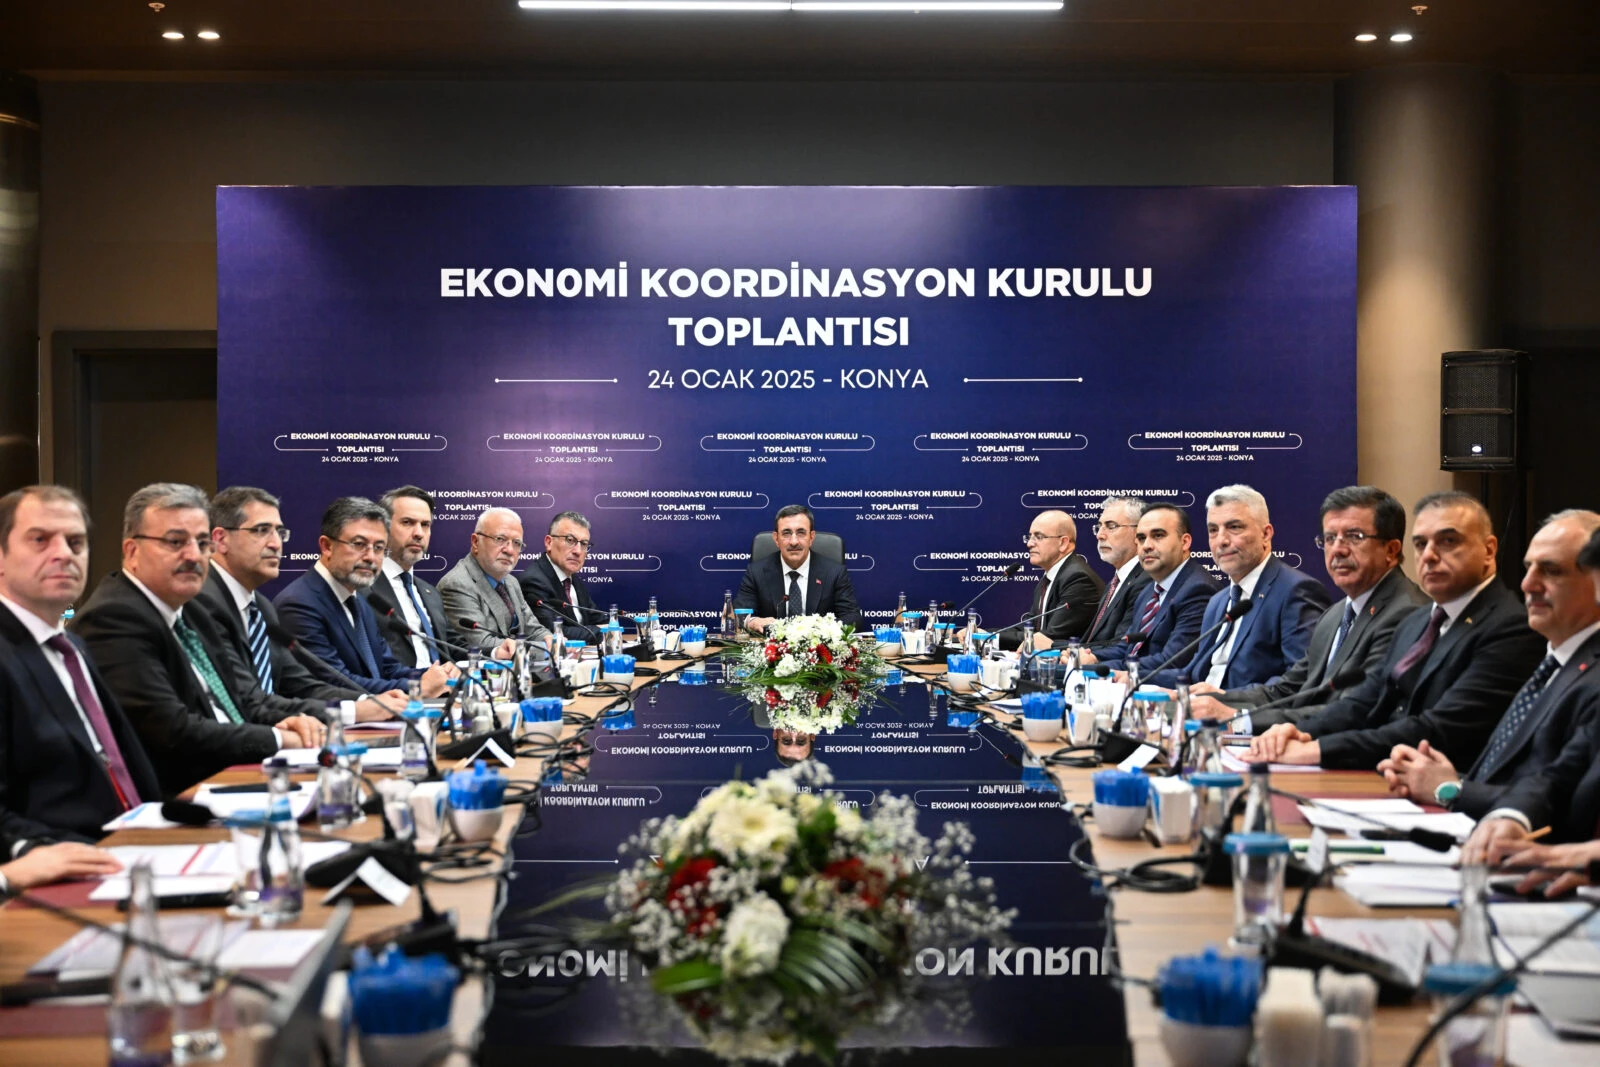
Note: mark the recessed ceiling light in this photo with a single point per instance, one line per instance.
(209, 35)
(1399, 38)
(1364, 38)
(173, 35)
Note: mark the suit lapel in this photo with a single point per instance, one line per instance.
(1475, 613)
(343, 633)
(1269, 577)
(48, 686)
(1574, 669)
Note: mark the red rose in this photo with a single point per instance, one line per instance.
(827, 695)
(691, 873)
(773, 698)
(773, 654)
(823, 653)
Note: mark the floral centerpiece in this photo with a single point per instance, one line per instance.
(775, 917)
(810, 672)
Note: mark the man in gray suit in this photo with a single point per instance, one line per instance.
(481, 599)
(1363, 545)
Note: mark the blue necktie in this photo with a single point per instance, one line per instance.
(1345, 623)
(1511, 723)
(260, 651)
(362, 644)
(422, 613)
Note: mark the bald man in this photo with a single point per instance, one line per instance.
(481, 598)
(1068, 594)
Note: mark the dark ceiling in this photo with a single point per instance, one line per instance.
(494, 39)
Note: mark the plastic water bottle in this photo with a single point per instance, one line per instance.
(1258, 817)
(652, 617)
(1025, 651)
(336, 785)
(558, 635)
(972, 626)
(139, 1021)
(413, 745)
(283, 886)
(728, 630)
(931, 621)
(613, 620)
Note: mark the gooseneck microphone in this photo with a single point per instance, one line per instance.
(1233, 614)
(1347, 677)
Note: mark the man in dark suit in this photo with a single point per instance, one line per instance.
(1068, 594)
(1363, 545)
(1551, 709)
(171, 671)
(551, 585)
(70, 760)
(1452, 668)
(401, 596)
(1285, 604)
(1167, 616)
(1118, 611)
(795, 581)
(247, 539)
(323, 609)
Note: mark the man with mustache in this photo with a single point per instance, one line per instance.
(247, 538)
(323, 609)
(172, 672)
(1363, 544)
(70, 760)
(402, 595)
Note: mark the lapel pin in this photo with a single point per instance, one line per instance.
(1469, 620)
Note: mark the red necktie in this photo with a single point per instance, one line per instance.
(1419, 651)
(121, 780)
(1111, 591)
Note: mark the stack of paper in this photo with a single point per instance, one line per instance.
(1520, 927)
(147, 816)
(1353, 816)
(1233, 759)
(1387, 885)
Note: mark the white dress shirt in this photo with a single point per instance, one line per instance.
(1220, 658)
(41, 631)
(783, 572)
(408, 609)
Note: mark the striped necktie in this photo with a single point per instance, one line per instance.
(260, 652)
(1151, 608)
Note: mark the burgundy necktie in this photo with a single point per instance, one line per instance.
(1111, 591)
(1150, 609)
(121, 780)
(1419, 651)
(566, 593)
(511, 609)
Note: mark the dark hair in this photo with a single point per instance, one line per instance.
(1388, 514)
(227, 507)
(348, 509)
(1456, 498)
(410, 492)
(47, 494)
(790, 511)
(1183, 516)
(1589, 554)
(567, 516)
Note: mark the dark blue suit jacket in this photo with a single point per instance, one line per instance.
(1175, 625)
(1272, 637)
(764, 586)
(313, 614)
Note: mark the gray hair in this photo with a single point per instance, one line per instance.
(490, 512)
(569, 516)
(348, 509)
(1240, 494)
(161, 496)
(227, 507)
(1587, 520)
(1135, 505)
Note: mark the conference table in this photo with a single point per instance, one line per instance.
(678, 739)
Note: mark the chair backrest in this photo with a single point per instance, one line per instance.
(827, 545)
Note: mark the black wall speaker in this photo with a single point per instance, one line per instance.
(1482, 395)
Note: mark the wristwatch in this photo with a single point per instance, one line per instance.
(1447, 792)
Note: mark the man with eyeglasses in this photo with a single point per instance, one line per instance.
(1363, 545)
(1452, 668)
(550, 583)
(325, 610)
(1068, 593)
(171, 671)
(247, 539)
(417, 624)
(481, 598)
(1118, 611)
(795, 580)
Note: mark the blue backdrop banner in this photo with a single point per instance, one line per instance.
(926, 367)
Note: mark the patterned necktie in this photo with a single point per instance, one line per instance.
(566, 595)
(192, 647)
(1511, 722)
(797, 603)
(422, 616)
(505, 598)
(1419, 651)
(1150, 609)
(363, 644)
(255, 629)
(116, 767)
(1111, 591)
(1345, 622)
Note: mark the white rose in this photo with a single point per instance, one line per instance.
(753, 939)
(752, 829)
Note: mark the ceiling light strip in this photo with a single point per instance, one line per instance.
(791, 5)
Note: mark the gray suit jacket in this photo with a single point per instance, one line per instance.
(1365, 646)
(468, 596)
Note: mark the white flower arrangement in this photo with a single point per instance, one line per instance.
(810, 672)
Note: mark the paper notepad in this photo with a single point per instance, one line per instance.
(1384, 885)
(1522, 926)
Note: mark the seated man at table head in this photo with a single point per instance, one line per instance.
(70, 761)
(483, 601)
(1170, 606)
(1553, 706)
(551, 583)
(169, 668)
(1068, 593)
(1363, 546)
(247, 539)
(795, 581)
(399, 594)
(1115, 540)
(324, 609)
(1452, 668)
(1285, 604)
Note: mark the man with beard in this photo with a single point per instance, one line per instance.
(170, 670)
(1119, 612)
(323, 609)
(401, 595)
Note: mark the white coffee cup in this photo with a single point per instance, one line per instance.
(1080, 720)
(1172, 803)
(962, 681)
(584, 672)
(997, 673)
(693, 648)
(1041, 729)
(479, 824)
